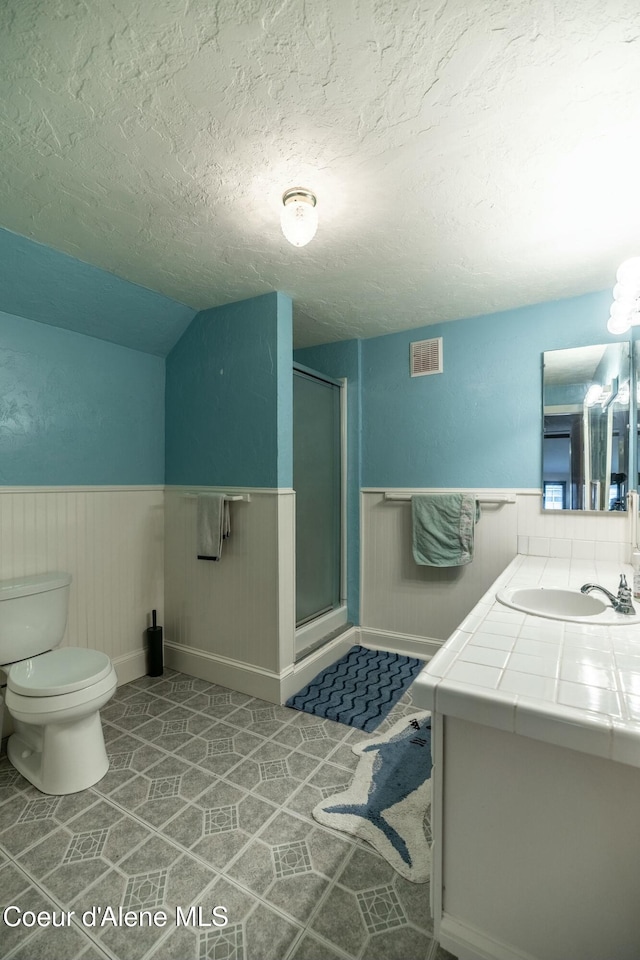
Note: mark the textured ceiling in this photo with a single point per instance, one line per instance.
(467, 156)
(578, 365)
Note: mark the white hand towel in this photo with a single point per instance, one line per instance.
(213, 525)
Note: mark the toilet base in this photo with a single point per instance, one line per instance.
(60, 758)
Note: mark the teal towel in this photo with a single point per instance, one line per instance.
(443, 526)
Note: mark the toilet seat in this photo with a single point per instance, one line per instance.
(43, 710)
(58, 672)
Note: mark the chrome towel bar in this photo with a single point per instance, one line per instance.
(229, 497)
(489, 498)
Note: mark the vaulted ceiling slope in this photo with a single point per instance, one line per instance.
(467, 156)
(39, 283)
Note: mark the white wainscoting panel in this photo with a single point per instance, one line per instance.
(111, 540)
(286, 562)
(402, 602)
(400, 597)
(233, 608)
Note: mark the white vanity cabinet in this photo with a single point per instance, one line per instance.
(536, 801)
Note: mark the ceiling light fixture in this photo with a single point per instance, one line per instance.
(299, 217)
(625, 309)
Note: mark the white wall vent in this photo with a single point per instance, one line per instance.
(426, 357)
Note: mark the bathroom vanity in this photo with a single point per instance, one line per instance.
(536, 777)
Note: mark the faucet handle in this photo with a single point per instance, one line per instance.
(624, 597)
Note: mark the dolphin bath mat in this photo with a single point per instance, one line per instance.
(389, 801)
(360, 689)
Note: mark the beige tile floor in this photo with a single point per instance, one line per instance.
(207, 803)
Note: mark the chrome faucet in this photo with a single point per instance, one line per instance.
(621, 603)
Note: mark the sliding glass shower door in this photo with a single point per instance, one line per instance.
(317, 482)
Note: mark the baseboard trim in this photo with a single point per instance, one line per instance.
(277, 688)
(266, 684)
(243, 677)
(252, 680)
(130, 666)
(422, 647)
(468, 943)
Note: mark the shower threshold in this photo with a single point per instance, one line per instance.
(317, 632)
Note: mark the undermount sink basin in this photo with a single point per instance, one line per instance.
(557, 604)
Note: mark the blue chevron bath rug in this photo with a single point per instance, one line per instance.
(389, 801)
(360, 689)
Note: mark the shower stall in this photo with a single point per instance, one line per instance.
(319, 482)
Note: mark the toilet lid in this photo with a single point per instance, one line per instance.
(59, 671)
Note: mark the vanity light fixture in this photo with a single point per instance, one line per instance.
(299, 217)
(625, 309)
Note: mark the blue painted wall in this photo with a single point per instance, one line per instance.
(229, 397)
(77, 411)
(476, 424)
(43, 284)
(337, 360)
(479, 422)
(284, 389)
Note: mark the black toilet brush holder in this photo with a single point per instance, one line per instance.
(154, 649)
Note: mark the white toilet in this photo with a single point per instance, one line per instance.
(53, 695)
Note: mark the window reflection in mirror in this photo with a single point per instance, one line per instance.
(585, 447)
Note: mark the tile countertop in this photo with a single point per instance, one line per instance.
(571, 684)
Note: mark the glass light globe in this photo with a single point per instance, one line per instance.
(299, 217)
(623, 291)
(620, 324)
(629, 273)
(593, 394)
(622, 310)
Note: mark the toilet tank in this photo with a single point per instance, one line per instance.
(33, 615)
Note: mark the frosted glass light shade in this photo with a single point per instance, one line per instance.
(594, 393)
(629, 273)
(617, 325)
(299, 217)
(622, 310)
(625, 309)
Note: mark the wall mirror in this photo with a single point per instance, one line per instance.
(585, 446)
